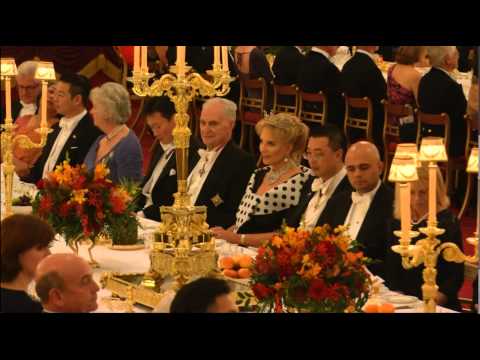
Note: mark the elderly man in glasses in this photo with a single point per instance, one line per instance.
(29, 90)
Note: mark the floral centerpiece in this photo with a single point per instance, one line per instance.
(82, 205)
(317, 271)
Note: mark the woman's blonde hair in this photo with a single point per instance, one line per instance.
(443, 201)
(290, 130)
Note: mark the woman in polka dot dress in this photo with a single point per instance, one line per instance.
(273, 189)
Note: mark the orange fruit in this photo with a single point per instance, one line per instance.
(386, 308)
(371, 308)
(244, 273)
(245, 261)
(226, 263)
(236, 259)
(230, 273)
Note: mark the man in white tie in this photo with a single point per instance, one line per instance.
(29, 90)
(160, 183)
(74, 134)
(219, 179)
(368, 210)
(325, 152)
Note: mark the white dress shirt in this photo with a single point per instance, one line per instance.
(358, 210)
(200, 172)
(341, 57)
(168, 150)
(67, 126)
(27, 109)
(324, 191)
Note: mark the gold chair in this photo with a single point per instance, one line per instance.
(285, 91)
(313, 116)
(363, 124)
(471, 272)
(391, 132)
(252, 107)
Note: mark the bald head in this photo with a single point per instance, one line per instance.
(364, 166)
(64, 283)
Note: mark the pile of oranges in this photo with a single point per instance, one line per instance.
(237, 266)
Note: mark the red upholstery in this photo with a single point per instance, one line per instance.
(251, 117)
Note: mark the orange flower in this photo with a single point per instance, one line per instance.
(277, 241)
(100, 172)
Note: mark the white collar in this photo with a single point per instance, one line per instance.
(167, 147)
(71, 123)
(372, 56)
(371, 194)
(321, 51)
(331, 184)
(31, 105)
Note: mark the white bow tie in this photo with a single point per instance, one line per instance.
(357, 198)
(317, 185)
(204, 154)
(29, 106)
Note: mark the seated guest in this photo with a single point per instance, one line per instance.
(402, 87)
(205, 295)
(160, 183)
(361, 77)
(72, 137)
(439, 93)
(318, 73)
(342, 55)
(273, 189)
(449, 274)
(25, 241)
(219, 179)
(65, 284)
(472, 105)
(287, 64)
(325, 153)
(29, 90)
(28, 125)
(368, 210)
(119, 148)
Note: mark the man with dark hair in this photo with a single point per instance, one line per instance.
(64, 283)
(325, 152)
(72, 137)
(160, 183)
(205, 295)
(318, 73)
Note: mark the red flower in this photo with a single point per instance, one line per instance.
(118, 205)
(262, 266)
(94, 199)
(40, 184)
(316, 290)
(100, 215)
(261, 291)
(79, 182)
(46, 204)
(64, 209)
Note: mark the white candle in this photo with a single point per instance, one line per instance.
(180, 60)
(216, 56)
(43, 120)
(136, 58)
(8, 101)
(432, 198)
(144, 58)
(225, 58)
(404, 204)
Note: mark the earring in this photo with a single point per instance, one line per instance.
(286, 159)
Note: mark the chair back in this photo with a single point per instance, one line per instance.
(309, 115)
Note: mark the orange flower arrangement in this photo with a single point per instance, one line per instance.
(318, 271)
(78, 203)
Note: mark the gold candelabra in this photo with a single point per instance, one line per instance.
(183, 245)
(44, 72)
(427, 250)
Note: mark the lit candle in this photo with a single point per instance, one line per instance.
(43, 120)
(143, 55)
(216, 57)
(136, 58)
(405, 211)
(8, 100)
(225, 58)
(432, 198)
(180, 60)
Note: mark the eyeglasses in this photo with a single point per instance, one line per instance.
(28, 88)
(315, 156)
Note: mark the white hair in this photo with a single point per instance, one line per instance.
(115, 100)
(229, 107)
(27, 68)
(437, 54)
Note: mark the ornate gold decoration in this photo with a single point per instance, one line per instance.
(426, 251)
(45, 72)
(183, 245)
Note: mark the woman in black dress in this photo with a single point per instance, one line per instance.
(273, 189)
(449, 274)
(25, 241)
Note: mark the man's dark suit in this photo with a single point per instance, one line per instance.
(225, 185)
(76, 147)
(318, 73)
(296, 213)
(362, 78)
(438, 93)
(286, 66)
(374, 232)
(166, 185)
